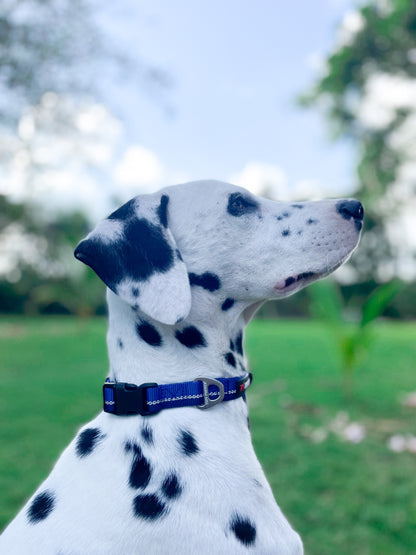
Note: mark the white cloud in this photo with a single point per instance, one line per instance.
(272, 181)
(141, 168)
(384, 94)
(260, 178)
(352, 23)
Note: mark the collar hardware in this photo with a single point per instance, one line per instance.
(207, 401)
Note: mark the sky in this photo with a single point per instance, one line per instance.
(237, 68)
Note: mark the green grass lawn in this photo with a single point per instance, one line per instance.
(343, 498)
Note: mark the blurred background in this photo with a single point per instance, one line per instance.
(100, 102)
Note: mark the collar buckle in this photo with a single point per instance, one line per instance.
(126, 398)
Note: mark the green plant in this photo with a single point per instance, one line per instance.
(353, 339)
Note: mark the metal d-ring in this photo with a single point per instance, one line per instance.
(206, 382)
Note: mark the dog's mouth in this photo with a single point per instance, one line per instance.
(293, 282)
(297, 281)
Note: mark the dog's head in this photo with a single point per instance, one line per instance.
(257, 249)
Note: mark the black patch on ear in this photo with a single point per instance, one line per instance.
(171, 487)
(191, 337)
(230, 358)
(239, 343)
(148, 507)
(162, 211)
(239, 205)
(141, 470)
(141, 252)
(188, 443)
(244, 530)
(41, 506)
(125, 212)
(208, 281)
(147, 434)
(87, 441)
(149, 334)
(227, 304)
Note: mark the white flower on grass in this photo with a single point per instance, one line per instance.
(397, 443)
(318, 435)
(339, 423)
(354, 432)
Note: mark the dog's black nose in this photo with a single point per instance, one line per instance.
(350, 209)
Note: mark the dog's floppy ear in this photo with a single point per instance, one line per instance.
(134, 252)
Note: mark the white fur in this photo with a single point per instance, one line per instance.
(93, 513)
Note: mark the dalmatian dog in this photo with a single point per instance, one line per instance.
(186, 269)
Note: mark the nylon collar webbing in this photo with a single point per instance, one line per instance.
(149, 398)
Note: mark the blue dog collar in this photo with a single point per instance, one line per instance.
(149, 398)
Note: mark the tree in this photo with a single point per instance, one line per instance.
(368, 92)
(53, 129)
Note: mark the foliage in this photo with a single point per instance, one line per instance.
(352, 339)
(368, 92)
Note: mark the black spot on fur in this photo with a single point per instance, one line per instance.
(162, 210)
(120, 343)
(141, 470)
(87, 440)
(149, 334)
(141, 252)
(171, 487)
(311, 221)
(227, 304)
(125, 212)
(191, 337)
(239, 343)
(239, 205)
(232, 347)
(179, 256)
(289, 281)
(41, 506)
(188, 444)
(230, 358)
(286, 232)
(299, 206)
(208, 281)
(248, 423)
(135, 291)
(147, 434)
(244, 530)
(148, 507)
(286, 214)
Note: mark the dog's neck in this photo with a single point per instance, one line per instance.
(205, 344)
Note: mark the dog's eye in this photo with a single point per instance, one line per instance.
(238, 205)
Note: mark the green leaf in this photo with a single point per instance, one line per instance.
(378, 300)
